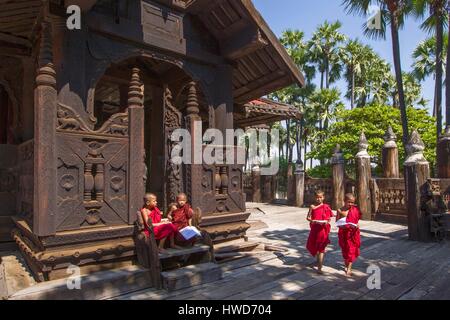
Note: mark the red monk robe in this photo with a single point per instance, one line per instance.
(318, 236)
(161, 231)
(349, 236)
(180, 218)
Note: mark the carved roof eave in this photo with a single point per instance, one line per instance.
(264, 111)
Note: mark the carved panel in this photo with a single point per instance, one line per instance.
(92, 181)
(162, 26)
(174, 172)
(389, 196)
(70, 121)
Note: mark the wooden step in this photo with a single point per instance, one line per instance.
(238, 245)
(172, 253)
(98, 285)
(192, 275)
(14, 273)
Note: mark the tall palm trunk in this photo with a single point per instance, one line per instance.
(393, 7)
(353, 89)
(438, 83)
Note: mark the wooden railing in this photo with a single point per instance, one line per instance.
(389, 199)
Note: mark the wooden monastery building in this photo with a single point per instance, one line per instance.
(86, 116)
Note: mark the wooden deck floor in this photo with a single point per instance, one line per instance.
(409, 270)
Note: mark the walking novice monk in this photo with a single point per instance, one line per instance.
(319, 216)
(349, 235)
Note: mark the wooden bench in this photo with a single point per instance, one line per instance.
(149, 257)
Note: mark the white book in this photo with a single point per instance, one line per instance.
(343, 222)
(190, 232)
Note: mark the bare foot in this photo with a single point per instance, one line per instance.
(161, 250)
(319, 271)
(348, 273)
(176, 247)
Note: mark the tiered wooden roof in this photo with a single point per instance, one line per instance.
(260, 63)
(264, 112)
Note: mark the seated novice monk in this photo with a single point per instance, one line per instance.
(349, 234)
(319, 216)
(182, 217)
(162, 230)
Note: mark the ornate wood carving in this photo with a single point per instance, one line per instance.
(70, 121)
(172, 121)
(92, 179)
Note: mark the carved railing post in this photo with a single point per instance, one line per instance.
(194, 170)
(45, 109)
(390, 155)
(417, 172)
(290, 184)
(363, 176)
(443, 154)
(256, 181)
(299, 175)
(136, 147)
(337, 162)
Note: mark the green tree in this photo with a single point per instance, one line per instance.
(325, 52)
(434, 15)
(374, 120)
(392, 12)
(424, 58)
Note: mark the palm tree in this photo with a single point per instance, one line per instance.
(392, 12)
(327, 102)
(352, 56)
(325, 51)
(424, 56)
(434, 21)
(297, 49)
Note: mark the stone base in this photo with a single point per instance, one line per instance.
(49, 258)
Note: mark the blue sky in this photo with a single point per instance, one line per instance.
(306, 15)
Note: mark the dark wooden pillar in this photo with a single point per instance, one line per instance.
(443, 154)
(337, 162)
(417, 172)
(193, 170)
(256, 182)
(267, 189)
(136, 147)
(45, 105)
(363, 176)
(224, 98)
(390, 155)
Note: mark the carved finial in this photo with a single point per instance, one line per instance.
(192, 99)
(362, 146)
(135, 95)
(46, 74)
(338, 156)
(415, 148)
(390, 138)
